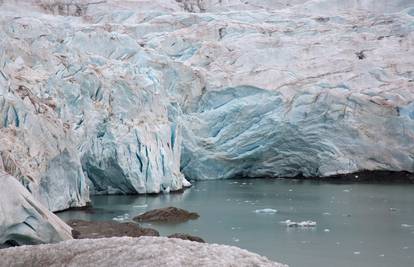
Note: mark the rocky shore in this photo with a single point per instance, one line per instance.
(103, 229)
(167, 215)
(126, 251)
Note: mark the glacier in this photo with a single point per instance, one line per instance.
(128, 97)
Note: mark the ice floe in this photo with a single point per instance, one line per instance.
(304, 224)
(266, 211)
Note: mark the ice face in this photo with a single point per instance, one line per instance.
(257, 133)
(112, 98)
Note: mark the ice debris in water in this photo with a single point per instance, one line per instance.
(266, 211)
(303, 224)
(121, 218)
(141, 206)
(407, 225)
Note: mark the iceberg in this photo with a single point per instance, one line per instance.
(303, 224)
(266, 211)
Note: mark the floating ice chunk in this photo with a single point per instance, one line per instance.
(121, 218)
(303, 224)
(407, 225)
(307, 224)
(186, 183)
(357, 253)
(327, 213)
(266, 211)
(346, 190)
(141, 206)
(326, 230)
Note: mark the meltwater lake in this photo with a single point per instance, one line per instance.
(356, 224)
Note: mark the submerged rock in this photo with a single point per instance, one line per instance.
(98, 229)
(168, 215)
(187, 237)
(126, 251)
(23, 220)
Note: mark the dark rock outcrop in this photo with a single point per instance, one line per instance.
(168, 215)
(85, 229)
(187, 237)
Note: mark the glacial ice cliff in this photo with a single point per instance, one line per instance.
(317, 89)
(123, 97)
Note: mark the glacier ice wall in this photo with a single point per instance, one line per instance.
(127, 96)
(251, 132)
(290, 94)
(86, 108)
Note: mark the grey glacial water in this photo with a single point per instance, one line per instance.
(357, 224)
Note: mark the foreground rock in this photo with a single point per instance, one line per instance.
(23, 220)
(187, 237)
(85, 229)
(167, 215)
(143, 251)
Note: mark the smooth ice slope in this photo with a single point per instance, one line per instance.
(23, 220)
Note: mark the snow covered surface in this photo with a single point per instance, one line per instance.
(129, 96)
(125, 251)
(23, 220)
